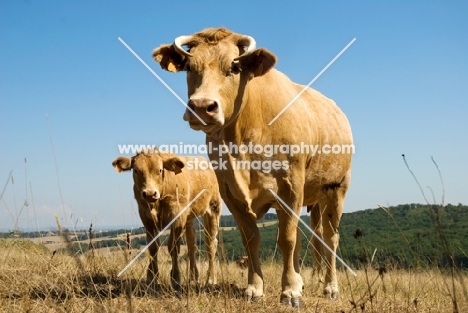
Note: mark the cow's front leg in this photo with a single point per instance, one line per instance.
(251, 240)
(174, 249)
(290, 245)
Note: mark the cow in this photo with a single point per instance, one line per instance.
(163, 186)
(234, 96)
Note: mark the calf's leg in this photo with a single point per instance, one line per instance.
(174, 250)
(192, 249)
(152, 274)
(211, 221)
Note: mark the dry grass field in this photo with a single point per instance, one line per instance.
(34, 279)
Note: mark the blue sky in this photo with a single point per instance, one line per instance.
(403, 85)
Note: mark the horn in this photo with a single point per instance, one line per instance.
(181, 41)
(249, 42)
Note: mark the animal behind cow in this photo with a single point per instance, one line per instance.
(163, 186)
(235, 97)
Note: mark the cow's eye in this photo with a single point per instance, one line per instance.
(136, 172)
(160, 171)
(235, 68)
(187, 67)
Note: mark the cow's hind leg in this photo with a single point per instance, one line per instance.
(317, 246)
(332, 208)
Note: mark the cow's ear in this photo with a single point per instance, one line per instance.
(169, 59)
(174, 164)
(122, 164)
(258, 62)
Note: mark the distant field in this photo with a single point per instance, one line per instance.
(55, 242)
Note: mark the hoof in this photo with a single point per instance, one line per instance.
(252, 295)
(208, 288)
(252, 299)
(295, 302)
(331, 295)
(153, 289)
(179, 291)
(212, 289)
(256, 299)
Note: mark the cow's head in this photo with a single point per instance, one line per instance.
(148, 172)
(219, 63)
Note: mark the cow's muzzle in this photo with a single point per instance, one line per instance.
(150, 195)
(205, 109)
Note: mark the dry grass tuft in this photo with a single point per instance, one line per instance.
(37, 280)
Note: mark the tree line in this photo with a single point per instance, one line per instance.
(403, 236)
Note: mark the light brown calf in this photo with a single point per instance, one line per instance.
(163, 186)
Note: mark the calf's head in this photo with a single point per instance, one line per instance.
(149, 174)
(219, 64)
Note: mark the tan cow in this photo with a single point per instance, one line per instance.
(163, 186)
(234, 94)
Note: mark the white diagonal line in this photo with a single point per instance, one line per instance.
(6, 184)
(313, 233)
(160, 233)
(312, 81)
(160, 79)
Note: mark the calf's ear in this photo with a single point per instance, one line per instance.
(169, 59)
(122, 164)
(174, 164)
(259, 62)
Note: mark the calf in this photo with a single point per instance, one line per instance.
(163, 186)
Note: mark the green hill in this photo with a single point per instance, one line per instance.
(410, 235)
(401, 236)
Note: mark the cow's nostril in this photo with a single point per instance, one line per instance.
(212, 108)
(191, 105)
